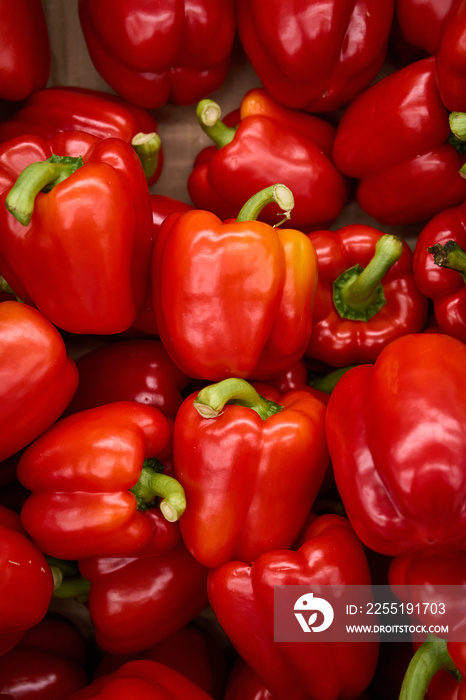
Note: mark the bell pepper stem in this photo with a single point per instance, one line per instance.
(358, 292)
(449, 255)
(67, 581)
(212, 399)
(327, 382)
(278, 194)
(147, 147)
(208, 114)
(152, 484)
(458, 124)
(430, 657)
(37, 177)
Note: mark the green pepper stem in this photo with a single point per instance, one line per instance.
(458, 124)
(358, 293)
(212, 399)
(278, 194)
(449, 255)
(152, 485)
(431, 657)
(327, 382)
(43, 175)
(147, 147)
(208, 115)
(67, 581)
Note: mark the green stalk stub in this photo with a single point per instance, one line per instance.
(327, 382)
(431, 656)
(211, 401)
(147, 147)
(152, 484)
(458, 124)
(358, 293)
(449, 255)
(208, 114)
(278, 194)
(37, 177)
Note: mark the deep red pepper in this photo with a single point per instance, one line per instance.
(81, 251)
(393, 139)
(395, 433)
(450, 58)
(241, 596)
(315, 56)
(25, 49)
(366, 295)
(37, 377)
(270, 140)
(417, 27)
(439, 266)
(87, 476)
(175, 52)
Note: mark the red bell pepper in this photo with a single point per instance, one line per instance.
(269, 139)
(244, 684)
(439, 266)
(37, 377)
(91, 491)
(54, 109)
(229, 516)
(311, 55)
(242, 597)
(81, 251)
(47, 664)
(366, 295)
(175, 52)
(25, 49)
(26, 583)
(395, 433)
(233, 299)
(393, 139)
(450, 58)
(417, 27)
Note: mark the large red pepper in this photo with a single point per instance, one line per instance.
(87, 477)
(37, 377)
(270, 140)
(393, 139)
(315, 56)
(233, 299)
(80, 252)
(232, 454)
(150, 54)
(366, 295)
(439, 266)
(450, 58)
(25, 48)
(396, 437)
(54, 109)
(242, 597)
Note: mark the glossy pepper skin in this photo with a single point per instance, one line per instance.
(232, 299)
(375, 299)
(418, 26)
(241, 596)
(315, 56)
(51, 110)
(269, 140)
(82, 253)
(25, 49)
(80, 473)
(142, 680)
(403, 486)
(155, 53)
(393, 139)
(450, 58)
(37, 377)
(233, 463)
(445, 285)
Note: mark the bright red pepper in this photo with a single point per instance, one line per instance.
(233, 299)
(417, 26)
(242, 597)
(150, 54)
(439, 265)
(81, 251)
(54, 109)
(450, 58)
(47, 664)
(87, 477)
(25, 49)
(37, 377)
(393, 139)
(233, 516)
(395, 433)
(269, 140)
(315, 56)
(366, 295)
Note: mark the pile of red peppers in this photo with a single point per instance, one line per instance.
(203, 400)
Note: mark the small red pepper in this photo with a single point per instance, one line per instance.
(366, 295)
(155, 53)
(269, 140)
(417, 27)
(450, 57)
